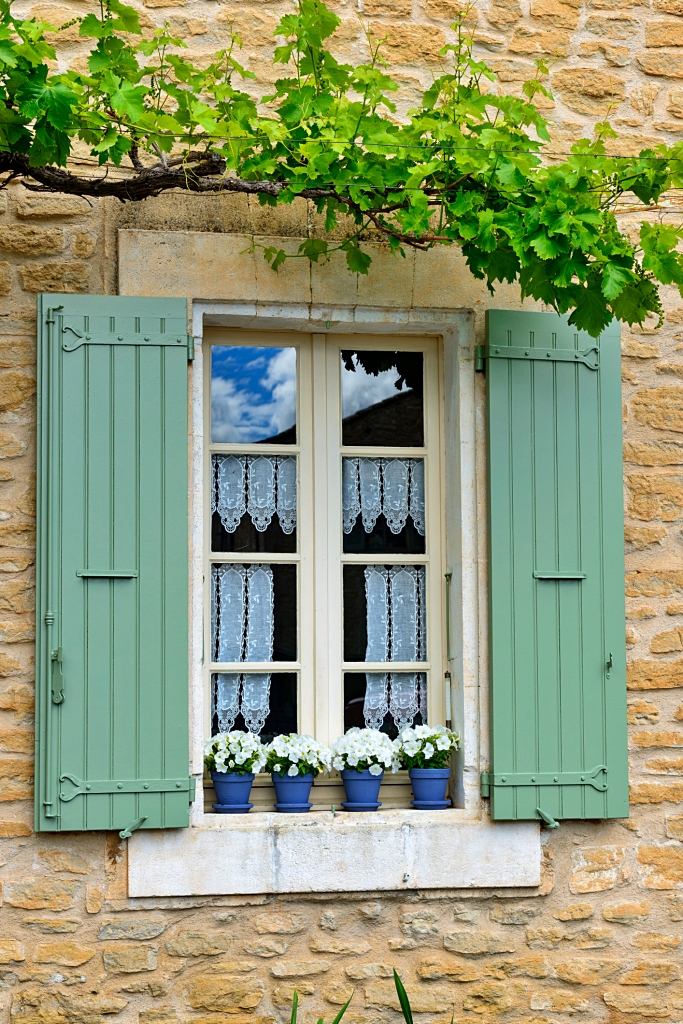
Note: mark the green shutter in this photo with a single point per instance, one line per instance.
(556, 570)
(112, 661)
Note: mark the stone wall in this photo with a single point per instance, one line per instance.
(603, 936)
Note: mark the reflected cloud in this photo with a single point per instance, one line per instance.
(360, 389)
(253, 392)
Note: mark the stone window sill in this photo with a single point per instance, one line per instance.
(340, 852)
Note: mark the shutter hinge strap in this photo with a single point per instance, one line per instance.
(106, 786)
(586, 778)
(590, 356)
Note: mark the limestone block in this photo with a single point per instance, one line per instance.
(651, 974)
(72, 277)
(674, 102)
(488, 997)
(674, 826)
(16, 778)
(139, 929)
(545, 937)
(512, 915)
(539, 42)
(17, 698)
(12, 829)
(663, 33)
(667, 642)
(664, 765)
(655, 941)
(255, 27)
(636, 1002)
(598, 868)
(433, 970)
(64, 860)
(338, 994)
(449, 9)
(656, 793)
(83, 244)
(615, 27)
(16, 740)
(33, 241)
(642, 537)
(675, 907)
(574, 912)
(657, 739)
(349, 947)
(666, 63)
(127, 959)
(158, 1015)
(654, 453)
(382, 994)
(93, 899)
(68, 954)
(654, 497)
(299, 968)
(198, 944)
(408, 42)
(524, 967)
(478, 943)
(362, 971)
(266, 948)
(11, 951)
(558, 1000)
(42, 894)
(586, 970)
(660, 865)
(419, 923)
(16, 631)
(226, 994)
(282, 994)
(592, 938)
(626, 913)
(564, 15)
(503, 13)
(15, 389)
(280, 924)
(5, 278)
(589, 90)
(36, 205)
(654, 675)
(52, 925)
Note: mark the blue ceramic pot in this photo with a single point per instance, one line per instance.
(292, 792)
(429, 788)
(362, 790)
(232, 792)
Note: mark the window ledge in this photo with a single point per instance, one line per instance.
(325, 852)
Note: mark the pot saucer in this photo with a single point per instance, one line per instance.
(430, 805)
(293, 808)
(348, 806)
(232, 808)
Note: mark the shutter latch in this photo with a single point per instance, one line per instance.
(57, 676)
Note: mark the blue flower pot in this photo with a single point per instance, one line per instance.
(429, 788)
(292, 792)
(232, 792)
(362, 790)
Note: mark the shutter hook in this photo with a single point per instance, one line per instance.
(610, 663)
(547, 819)
(127, 832)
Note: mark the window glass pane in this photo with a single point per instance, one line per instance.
(384, 613)
(253, 612)
(280, 713)
(386, 701)
(383, 505)
(253, 394)
(382, 399)
(254, 503)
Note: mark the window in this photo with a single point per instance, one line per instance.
(324, 573)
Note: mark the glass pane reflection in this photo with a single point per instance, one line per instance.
(382, 399)
(253, 394)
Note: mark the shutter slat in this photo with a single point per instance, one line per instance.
(555, 570)
(113, 499)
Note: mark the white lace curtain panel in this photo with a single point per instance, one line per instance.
(395, 600)
(242, 630)
(394, 487)
(260, 485)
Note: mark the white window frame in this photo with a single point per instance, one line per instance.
(387, 850)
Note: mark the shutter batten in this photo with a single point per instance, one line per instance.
(112, 564)
(556, 570)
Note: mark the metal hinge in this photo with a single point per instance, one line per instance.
(94, 787)
(485, 784)
(590, 356)
(586, 778)
(190, 347)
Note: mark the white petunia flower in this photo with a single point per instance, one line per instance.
(292, 770)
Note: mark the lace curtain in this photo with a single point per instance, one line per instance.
(260, 485)
(242, 630)
(395, 599)
(395, 487)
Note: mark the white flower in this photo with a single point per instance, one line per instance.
(277, 767)
(293, 770)
(429, 750)
(375, 769)
(365, 748)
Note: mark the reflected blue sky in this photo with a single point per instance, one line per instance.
(253, 392)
